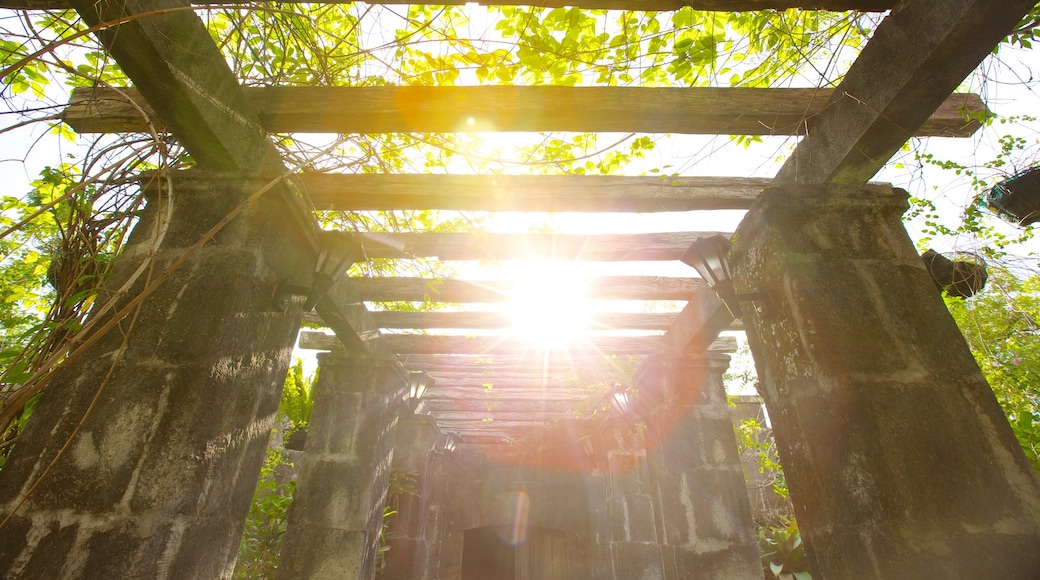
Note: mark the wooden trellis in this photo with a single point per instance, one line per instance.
(850, 132)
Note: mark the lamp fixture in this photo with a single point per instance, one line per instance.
(448, 443)
(587, 445)
(418, 383)
(336, 253)
(710, 257)
(620, 401)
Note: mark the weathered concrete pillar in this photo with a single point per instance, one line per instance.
(157, 481)
(899, 459)
(406, 534)
(705, 525)
(337, 511)
(600, 528)
(635, 546)
(438, 517)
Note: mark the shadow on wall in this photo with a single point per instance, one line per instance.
(508, 553)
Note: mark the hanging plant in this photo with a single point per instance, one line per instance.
(1017, 198)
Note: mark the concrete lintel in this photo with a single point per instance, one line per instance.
(918, 55)
(173, 62)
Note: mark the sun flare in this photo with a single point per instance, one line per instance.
(549, 307)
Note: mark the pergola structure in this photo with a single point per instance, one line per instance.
(864, 373)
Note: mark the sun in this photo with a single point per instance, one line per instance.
(548, 305)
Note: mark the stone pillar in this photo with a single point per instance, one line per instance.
(635, 547)
(406, 535)
(705, 526)
(337, 512)
(173, 406)
(600, 528)
(899, 459)
(438, 519)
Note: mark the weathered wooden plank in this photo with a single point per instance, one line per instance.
(639, 5)
(496, 320)
(408, 109)
(476, 398)
(520, 416)
(406, 344)
(489, 430)
(485, 246)
(551, 193)
(915, 58)
(531, 378)
(464, 291)
(409, 344)
(506, 362)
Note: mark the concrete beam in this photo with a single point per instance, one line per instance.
(174, 64)
(918, 55)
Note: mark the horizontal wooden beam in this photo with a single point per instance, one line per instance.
(497, 320)
(485, 246)
(407, 109)
(527, 378)
(907, 69)
(480, 368)
(507, 362)
(406, 344)
(512, 416)
(466, 291)
(476, 398)
(638, 5)
(549, 193)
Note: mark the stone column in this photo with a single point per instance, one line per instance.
(337, 511)
(899, 459)
(406, 535)
(439, 516)
(634, 543)
(166, 417)
(705, 526)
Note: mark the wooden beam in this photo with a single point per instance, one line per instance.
(408, 109)
(477, 399)
(918, 54)
(464, 291)
(485, 246)
(429, 344)
(531, 377)
(479, 367)
(513, 416)
(450, 361)
(497, 320)
(639, 5)
(498, 345)
(183, 79)
(551, 193)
